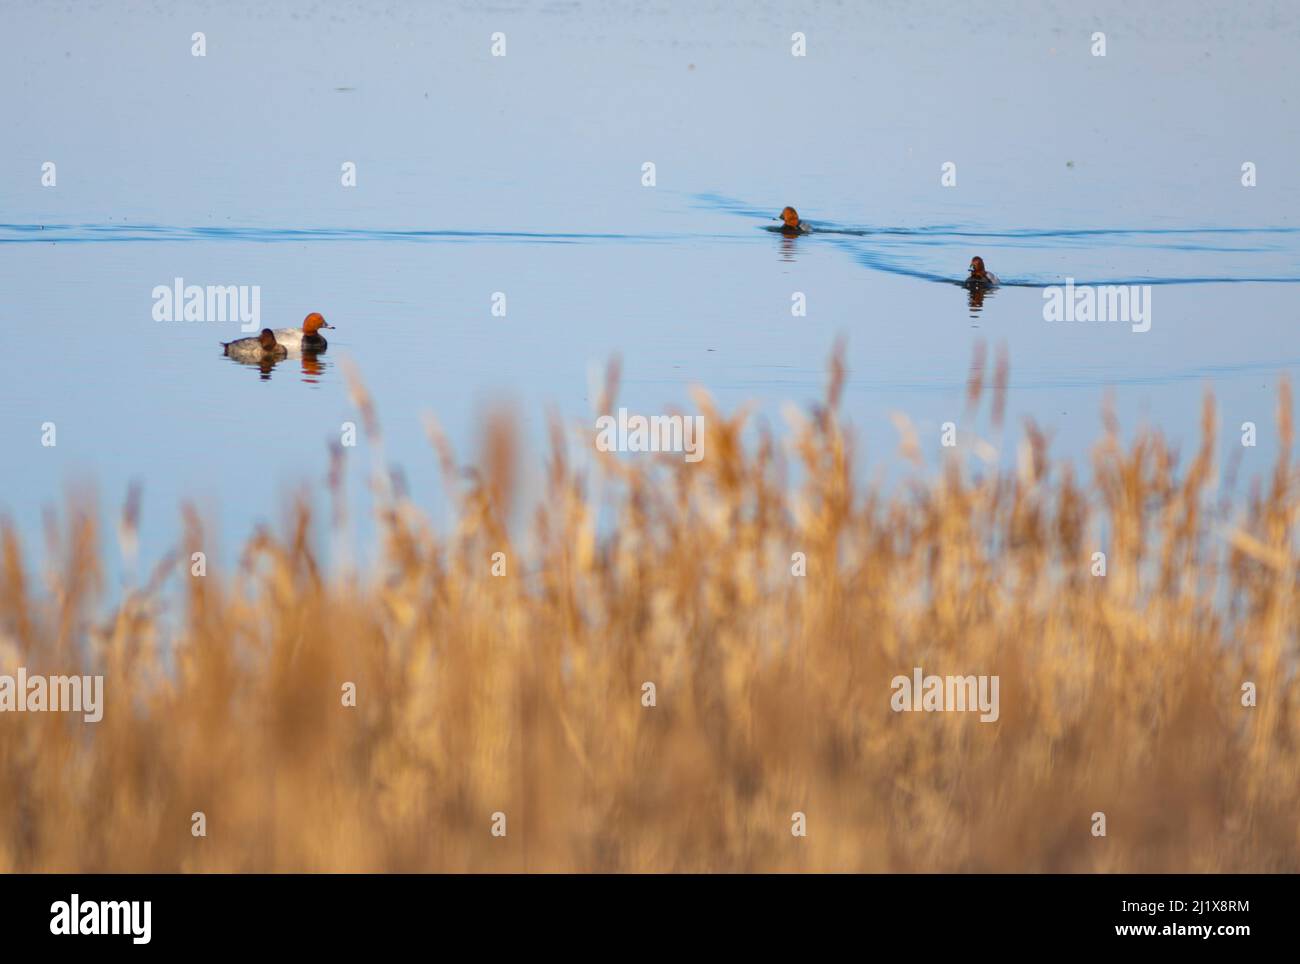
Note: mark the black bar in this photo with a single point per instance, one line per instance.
(330, 913)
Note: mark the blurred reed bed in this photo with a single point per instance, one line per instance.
(522, 693)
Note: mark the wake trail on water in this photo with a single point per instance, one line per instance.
(101, 233)
(1021, 257)
(1039, 257)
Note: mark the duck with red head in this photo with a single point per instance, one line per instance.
(306, 338)
(979, 277)
(790, 223)
(262, 348)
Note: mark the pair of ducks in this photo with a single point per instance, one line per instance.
(979, 277)
(274, 344)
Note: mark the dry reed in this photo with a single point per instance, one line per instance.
(522, 693)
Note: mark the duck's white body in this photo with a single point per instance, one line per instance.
(294, 339)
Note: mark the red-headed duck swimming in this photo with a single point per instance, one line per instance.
(306, 338)
(790, 223)
(262, 348)
(979, 278)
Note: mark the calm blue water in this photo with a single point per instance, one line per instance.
(523, 174)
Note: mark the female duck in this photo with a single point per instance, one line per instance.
(262, 348)
(979, 278)
(306, 338)
(790, 223)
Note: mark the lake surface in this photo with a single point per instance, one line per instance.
(523, 174)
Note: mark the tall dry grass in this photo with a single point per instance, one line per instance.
(523, 693)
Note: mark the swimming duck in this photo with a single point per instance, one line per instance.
(979, 278)
(306, 338)
(790, 223)
(262, 348)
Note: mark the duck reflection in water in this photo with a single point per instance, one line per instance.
(312, 364)
(313, 367)
(975, 296)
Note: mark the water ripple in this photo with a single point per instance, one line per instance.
(1037, 257)
(100, 233)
